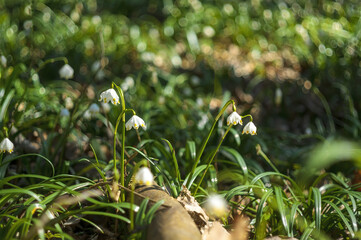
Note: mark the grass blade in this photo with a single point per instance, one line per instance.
(281, 208)
(318, 206)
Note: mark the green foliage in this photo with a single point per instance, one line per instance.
(294, 65)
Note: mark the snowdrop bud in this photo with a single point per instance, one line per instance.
(216, 206)
(3, 60)
(250, 128)
(87, 115)
(94, 109)
(234, 118)
(6, 145)
(135, 122)
(109, 96)
(66, 72)
(144, 176)
(69, 103)
(128, 83)
(64, 112)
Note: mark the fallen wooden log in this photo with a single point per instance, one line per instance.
(171, 222)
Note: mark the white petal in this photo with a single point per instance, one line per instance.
(234, 118)
(6, 145)
(250, 128)
(66, 71)
(216, 206)
(3, 60)
(129, 124)
(64, 112)
(135, 122)
(87, 115)
(94, 108)
(144, 176)
(109, 95)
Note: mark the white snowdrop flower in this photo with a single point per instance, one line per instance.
(87, 115)
(234, 118)
(95, 66)
(6, 145)
(208, 31)
(203, 121)
(135, 122)
(144, 176)
(94, 109)
(105, 107)
(3, 60)
(250, 128)
(64, 112)
(216, 206)
(128, 83)
(69, 103)
(100, 75)
(66, 72)
(109, 95)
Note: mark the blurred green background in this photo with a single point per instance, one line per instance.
(294, 65)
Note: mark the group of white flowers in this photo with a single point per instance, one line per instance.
(110, 95)
(215, 205)
(234, 118)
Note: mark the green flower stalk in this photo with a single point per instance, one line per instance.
(199, 154)
(213, 156)
(135, 122)
(141, 175)
(233, 119)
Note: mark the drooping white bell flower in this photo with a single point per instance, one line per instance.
(66, 72)
(128, 83)
(3, 60)
(234, 118)
(135, 122)
(250, 128)
(87, 115)
(109, 96)
(94, 109)
(144, 176)
(216, 206)
(64, 112)
(69, 104)
(6, 145)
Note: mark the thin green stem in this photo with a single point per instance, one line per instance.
(51, 60)
(121, 115)
(131, 212)
(260, 152)
(199, 154)
(248, 115)
(213, 156)
(327, 108)
(265, 157)
(123, 139)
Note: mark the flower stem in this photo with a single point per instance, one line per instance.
(213, 156)
(51, 60)
(265, 157)
(131, 212)
(260, 152)
(199, 154)
(248, 115)
(123, 140)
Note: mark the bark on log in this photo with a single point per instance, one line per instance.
(171, 222)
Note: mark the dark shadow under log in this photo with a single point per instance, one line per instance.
(171, 222)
